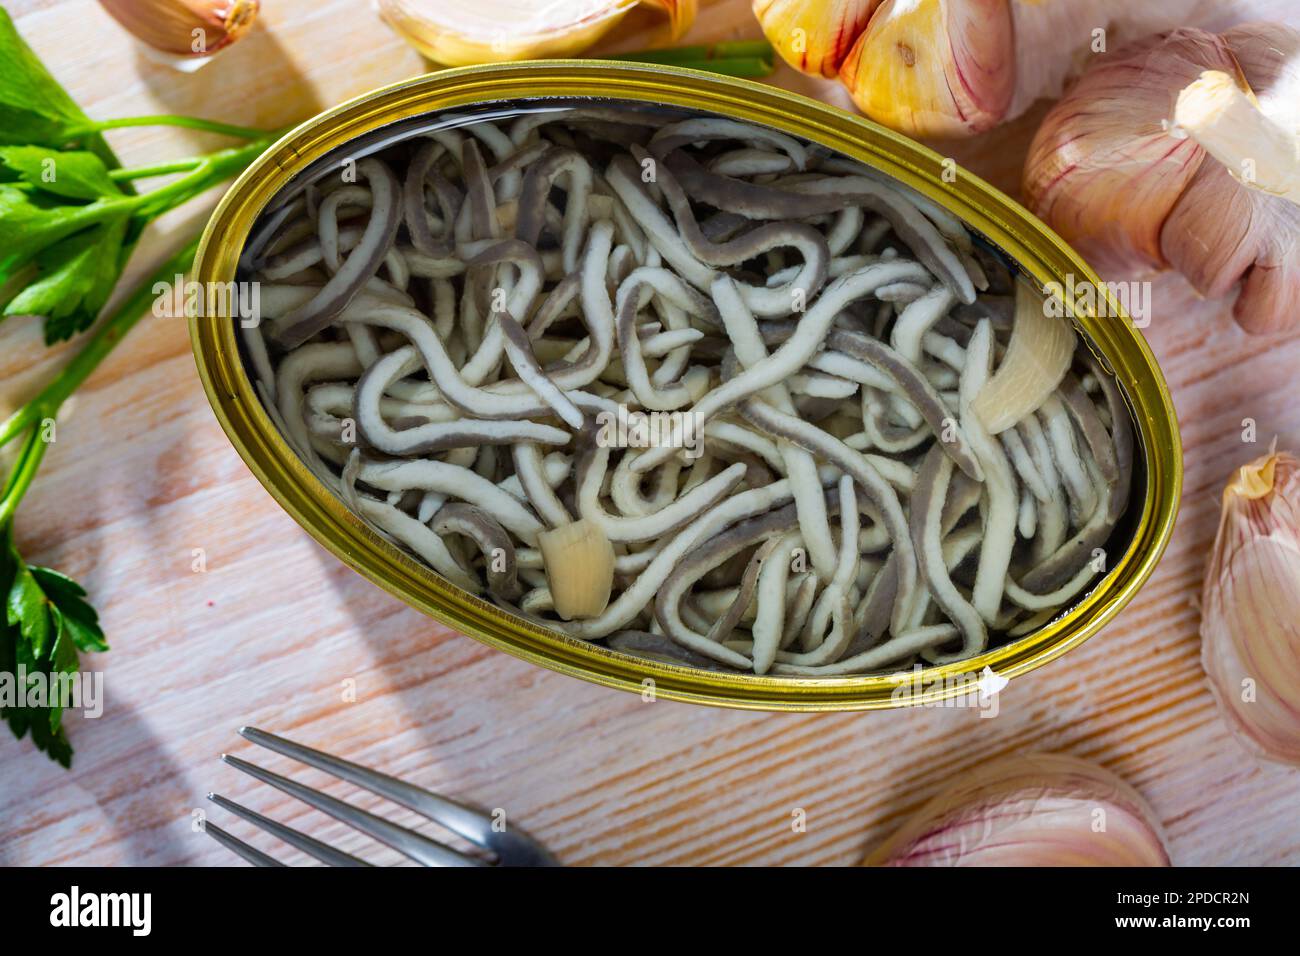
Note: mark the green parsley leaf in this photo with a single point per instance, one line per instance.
(51, 739)
(27, 225)
(46, 621)
(80, 619)
(74, 174)
(30, 222)
(15, 716)
(34, 108)
(28, 610)
(57, 585)
(75, 278)
(63, 660)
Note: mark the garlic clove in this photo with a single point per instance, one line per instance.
(1032, 810)
(1037, 358)
(814, 37)
(1254, 235)
(185, 28)
(465, 32)
(1105, 168)
(934, 67)
(1184, 136)
(1271, 289)
(1250, 608)
(579, 563)
(681, 14)
(1221, 113)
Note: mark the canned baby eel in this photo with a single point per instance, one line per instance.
(378, 119)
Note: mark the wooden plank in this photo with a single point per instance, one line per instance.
(141, 475)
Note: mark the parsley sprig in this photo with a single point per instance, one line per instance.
(70, 217)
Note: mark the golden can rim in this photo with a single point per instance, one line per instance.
(1040, 253)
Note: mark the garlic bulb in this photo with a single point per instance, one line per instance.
(1182, 151)
(959, 67)
(464, 32)
(185, 28)
(1079, 171)
(1250, 606)
(1034, 810)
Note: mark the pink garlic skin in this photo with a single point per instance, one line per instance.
(1105, 171)
(169, 25)
(1032, 810)
(1250, 613)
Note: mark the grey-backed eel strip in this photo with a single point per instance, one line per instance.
(794, 353)
(492, 540)
(918, 390)
(928, 498)
(877, 490)
(361, 264)
(758, 201)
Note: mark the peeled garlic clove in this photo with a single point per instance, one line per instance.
(814, 36)
(934, 67)
(464, 32)
(1250, 608)
(579, 563)
(1037, 358)
(1034, 810)
(185, 28)
(1221, 113)
(1104, 170)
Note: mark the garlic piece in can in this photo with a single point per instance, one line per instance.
(579, 562)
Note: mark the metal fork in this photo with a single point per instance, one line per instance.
(510, 847)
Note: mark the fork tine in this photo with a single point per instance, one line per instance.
(407, 842)
(321, 851)
(473, 825)
(251, 854)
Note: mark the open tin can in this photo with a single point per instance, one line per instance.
(383, 116)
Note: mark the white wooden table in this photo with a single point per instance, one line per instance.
(274, 629)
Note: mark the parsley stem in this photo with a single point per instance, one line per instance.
(725, 50)
(207, 172)
(744, 67)
(102, 341)
(211, 169)
(188, 122)
(20, 479)
(156, 169)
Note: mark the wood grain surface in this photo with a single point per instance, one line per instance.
(275, 630)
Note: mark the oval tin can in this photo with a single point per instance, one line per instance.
(1042, 256)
